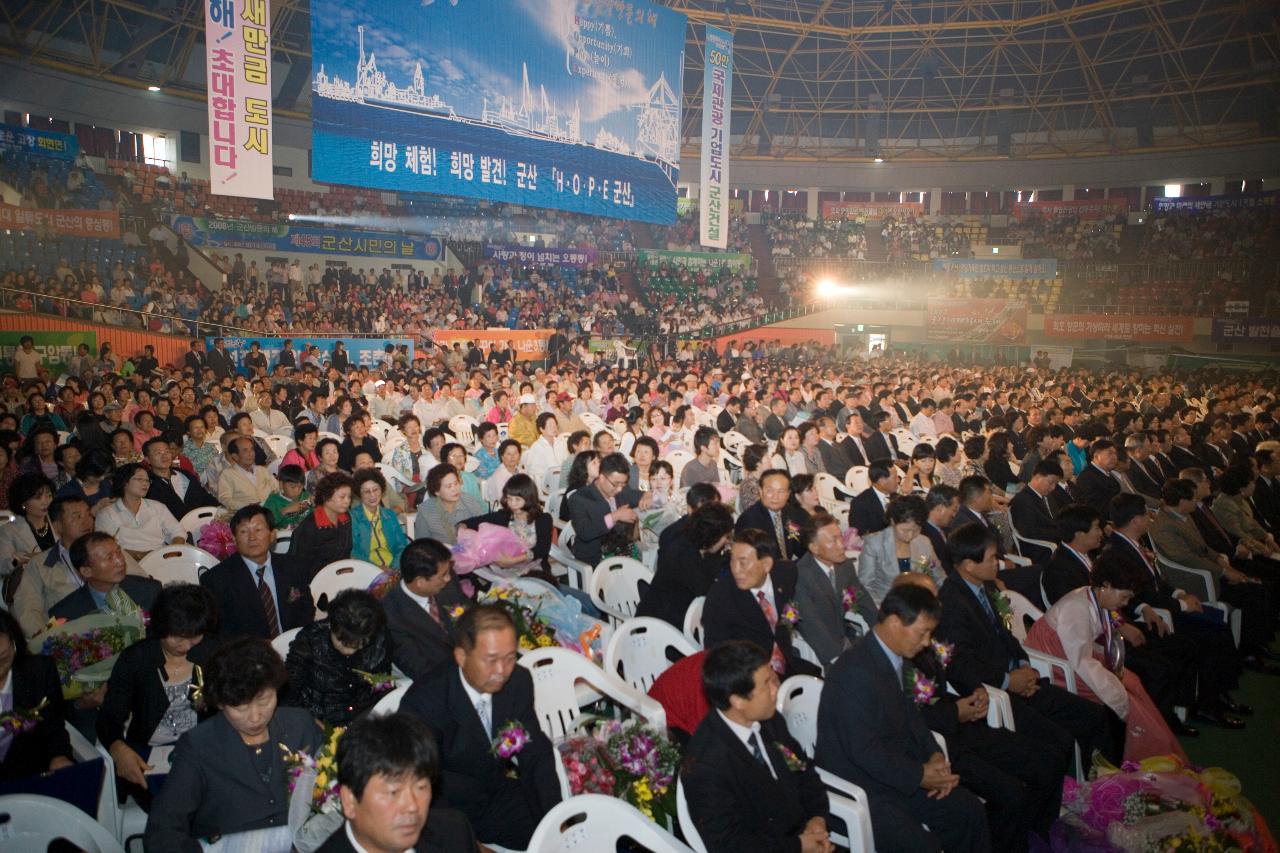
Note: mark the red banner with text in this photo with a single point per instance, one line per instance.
(1119, 327)
(65, 223)
(977, 321)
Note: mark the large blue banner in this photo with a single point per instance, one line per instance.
(365, 352)
(1246, 330)
(44, 142)
(570, 104)
(997, 267)
(279, 237)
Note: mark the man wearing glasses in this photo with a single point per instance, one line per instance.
(597, 508)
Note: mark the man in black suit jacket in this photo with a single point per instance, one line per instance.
(167, 481)
(195, 359)
(1095, 486)
(1266, 490)
(400, 746)
(882, 445)
(866, 510)
(220, 360)
(871, 733)
(237, 582)
(986, 652)
(744, 792)
(1030, 509)
(466, 706)
(1080, 532)
(100, 561)
(942, 503)
(598, 507)
(834, 459)
(773, 510)
(423, 608)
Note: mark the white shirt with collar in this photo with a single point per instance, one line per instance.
(153, 527)
(355, 845)
(476, 698)
(421, 600)
(746, 734)
(767, 589)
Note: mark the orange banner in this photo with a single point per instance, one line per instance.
(977, 321)
(69, 223)
(869, 209)
(1083, 208)
(529, 344)
(1120, 327)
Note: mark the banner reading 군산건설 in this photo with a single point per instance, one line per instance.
(717, 108)
(568, 104)
(237, 37)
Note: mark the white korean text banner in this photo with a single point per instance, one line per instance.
(717, 98)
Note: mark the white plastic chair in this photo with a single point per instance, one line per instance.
(596, 822)
(561, 553)
(395, 480)
(556, 671)
(463, 428)
(109, 814)
(798, 699)
(1197, 581)
(279, 444)
(390, 703)
(7, 515)
(614, 586)
(177, 563)
(805, 651)
(283, 538)
(858, 479)
(31, 822)
(692, 625)
(282, 641)
(637, 651)
(830, 489)
(1021, 608)
(735, 442)
(677, 459)
(198, 518)
(1019, 540)
(340, 575)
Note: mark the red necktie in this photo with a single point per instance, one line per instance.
(776, 660)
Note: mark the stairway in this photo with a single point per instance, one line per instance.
(876, 250)
(642, 236)
(1131, 238)
(766, 273)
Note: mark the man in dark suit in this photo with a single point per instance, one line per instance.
(466, 706)
(743, 790)
(1080, 532)
(986, 652)
(728, 417)
(220, 360)
(871, 733)
(259, 593)
(775, 424)
(882, 444)
(107, 588)
(854, 445)
(194, 359)
(386, 765)
(774, 515)
(866, 510)
(1181, 453)
(173, 487)
(1266, 490)
(834, 459)
(1144, 472)
(598, 507)
(942, 503)
(753, 602)
(423, 608)
(1096, 486)
(1030, 508)
(825, 579)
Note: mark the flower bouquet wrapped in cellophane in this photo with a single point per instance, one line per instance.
(315, 809)
(84, 650)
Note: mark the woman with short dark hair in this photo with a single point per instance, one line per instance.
(29, 533)
(325, 535)
(327, 658)
(33, 682)
(228, 773)
(376, 533)
(446, 509)
(521, 512)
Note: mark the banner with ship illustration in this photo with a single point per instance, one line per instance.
(567, 104)
(977, 321)
(717, 108)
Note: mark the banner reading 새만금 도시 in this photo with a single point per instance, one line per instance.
(717, 108)
(237, 37)
(977, 321)
(569, 104)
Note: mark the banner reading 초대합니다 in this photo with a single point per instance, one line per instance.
(47, 143)
(997, 267)
(542, 257)
(655, 258)
(717, 107)
(977, 321)
(55, 348)
(287, 237)
(569, 104)
(237, 37)
(67, 223)
(1120, 327)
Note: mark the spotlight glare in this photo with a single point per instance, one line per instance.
(879, 159)
(153, 88)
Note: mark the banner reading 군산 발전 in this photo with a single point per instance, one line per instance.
(717, 101)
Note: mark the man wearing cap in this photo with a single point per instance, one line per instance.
(524, 428)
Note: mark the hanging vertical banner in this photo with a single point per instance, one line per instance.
(238, 67)
(717, 98)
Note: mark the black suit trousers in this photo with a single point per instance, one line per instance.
(1258, 616)
(1057, 720)
(1021, 782)
(957, 823)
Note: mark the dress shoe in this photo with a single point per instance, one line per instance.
(1240, 709)
(1220, 717)
(1181, 729)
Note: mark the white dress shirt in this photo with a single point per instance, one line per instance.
(153, 527)
(479, 700)
(746, 735)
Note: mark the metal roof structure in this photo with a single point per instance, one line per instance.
(832, 80)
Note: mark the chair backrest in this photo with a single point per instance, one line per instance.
(463, 428)
(340, 575)
(282, 641)
(692, 626)
(858, 479)
(31, 822)
(798, 699)
(687, 828)
(394, 478)
(578, 573)
(615, 586)
(279, 444)
(677, 459)
(283, 538)
(638, 652)
(1021, 608)
(597, 822)
(826, 486)
(734, 442)
(198, 518)
(390, 703)
(177, 563)
(556, 672)
(7, 515)
(108, 804)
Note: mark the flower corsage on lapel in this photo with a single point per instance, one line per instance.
(795, 763)
(508, 744)
(1000, 605)
(295, 595)
(455, 612)
(789, 616)
(793, 531)
(943, 652)
(849, 599)
(922, 689)
(20, 720)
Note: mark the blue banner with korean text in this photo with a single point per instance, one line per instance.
(1246, 330)
(997, 267)
(1215, 202)
(362, 352)
(568, 104)
(278, 237)
(43, 142)
(536, 257)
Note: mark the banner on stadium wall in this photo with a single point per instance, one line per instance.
(541, 257)
(237, 37)
(997, 267)
(360, 351)
(870, 209)
(1216, 202)
(685, 205)
(1083, 208)
(717, 108)
(1246, 330)
(65, 223)
(572, 105)
(977, 321)
(655, 258)
(529, 344)
(1119, 327)
(283, 237)
(55, 348)
(47, 143)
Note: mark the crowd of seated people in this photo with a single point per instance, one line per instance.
(798, 237)
(102, 468)
(684, 236)
(1211, 235)
(908, 239)
(678, 300)
(1168, 296)
(1068, 237)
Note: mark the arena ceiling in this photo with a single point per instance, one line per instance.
(832, 80)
